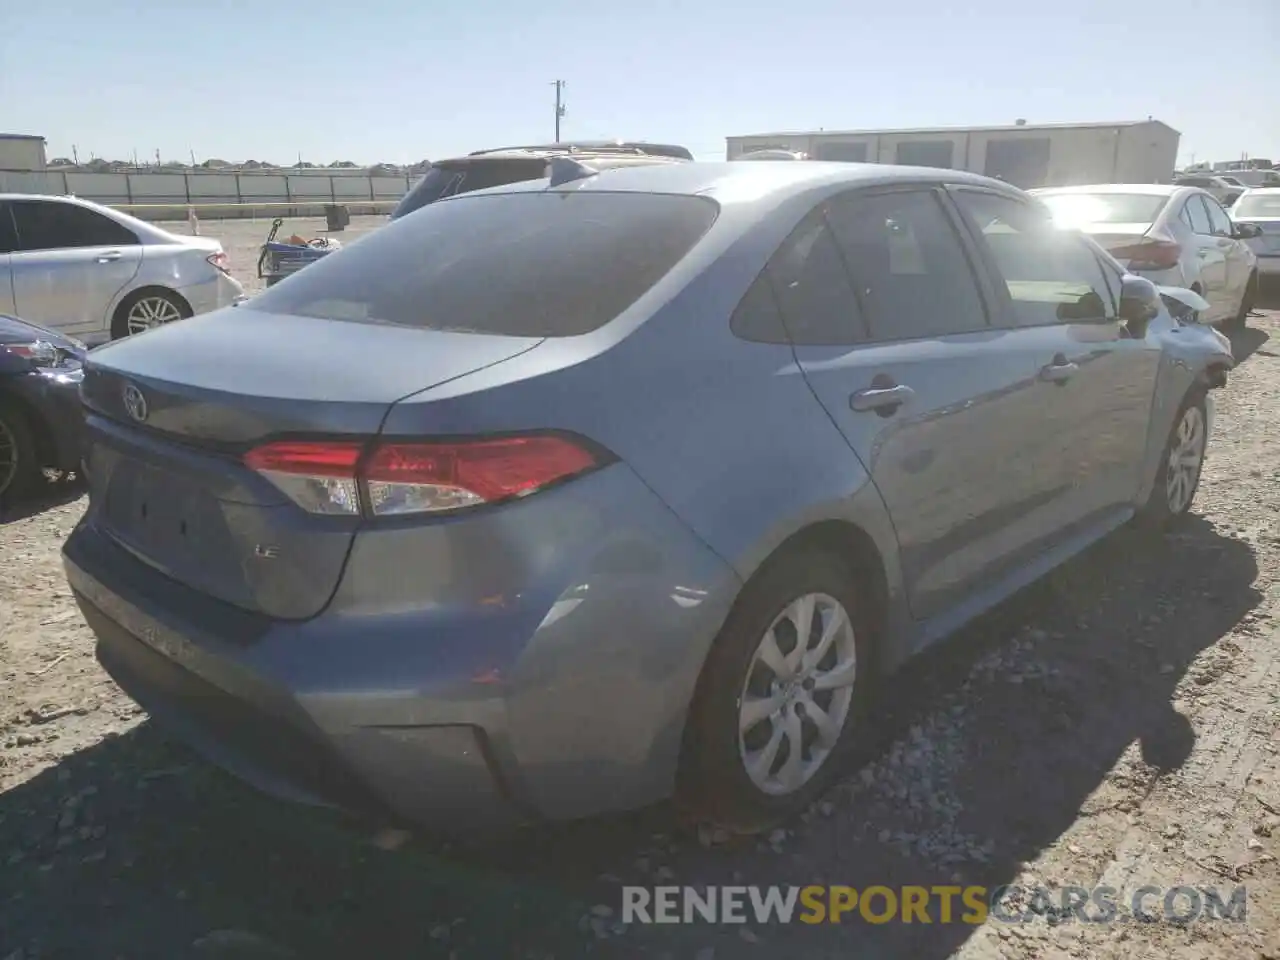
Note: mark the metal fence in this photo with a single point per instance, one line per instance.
(164, 195)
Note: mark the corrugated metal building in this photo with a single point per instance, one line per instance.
(1027, 155)
(21, 151)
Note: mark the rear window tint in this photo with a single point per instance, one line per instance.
(543, 264)
(451, 179)
(1070, 209)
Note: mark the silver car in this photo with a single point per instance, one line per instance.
(565, 496)
(1174, 236)
(1261, 209)
(94, 273)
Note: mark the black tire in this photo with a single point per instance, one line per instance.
(120, 321)
(1247, 303)
(20, 467)
(1158, 512)
(714, 785)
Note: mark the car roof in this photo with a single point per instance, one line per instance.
(598, 146)
(534, 153)
(1154, 189)
(736, 182)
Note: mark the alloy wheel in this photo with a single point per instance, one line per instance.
(8, 457)
(797, 694)
(1186, 456)
(150, 312)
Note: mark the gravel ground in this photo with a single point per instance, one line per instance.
(242, 239)
(1116, 724)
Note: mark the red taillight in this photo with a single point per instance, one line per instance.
(1149, 254)
(403, 478)
(219, 260)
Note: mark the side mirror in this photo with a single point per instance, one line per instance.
(1246, 231)
(1139, 304)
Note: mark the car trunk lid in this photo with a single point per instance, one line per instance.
(1116, 235)
(172, 412)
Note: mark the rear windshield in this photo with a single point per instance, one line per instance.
(1257, 205)
(1076, 208)
(448, 180)
(539, 264)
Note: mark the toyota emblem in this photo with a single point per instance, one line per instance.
(135, 404)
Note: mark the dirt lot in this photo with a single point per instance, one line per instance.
(242, 239)
(1118, 724)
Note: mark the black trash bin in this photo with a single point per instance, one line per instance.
(336, 217)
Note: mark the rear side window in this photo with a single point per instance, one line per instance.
(1197, 216)
(8, 236)
(50, 225)
(1218, 219)
(452, 179)
(912, 275)
(813, 289)
(757, 318)
(541, 264)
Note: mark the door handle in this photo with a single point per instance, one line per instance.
(109, 257)
(1060, 371)
(883, 400)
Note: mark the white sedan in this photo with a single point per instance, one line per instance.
(1261, 208)
(97, 274)
(1174, 236)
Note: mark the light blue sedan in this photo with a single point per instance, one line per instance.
(563, 497)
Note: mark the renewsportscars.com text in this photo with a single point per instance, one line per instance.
(816, 904)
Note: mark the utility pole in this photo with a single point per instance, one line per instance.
(559, 85)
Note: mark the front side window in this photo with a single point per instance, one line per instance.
(911, 273)
(1052, 274)
(52, 225)
(536, 264)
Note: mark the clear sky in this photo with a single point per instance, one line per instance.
(381, 80)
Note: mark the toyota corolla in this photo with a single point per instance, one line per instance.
(567, 496)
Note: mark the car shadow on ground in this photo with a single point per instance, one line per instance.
(1248, 341)
(54, 493)
(135, 848)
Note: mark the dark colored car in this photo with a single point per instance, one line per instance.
(41, 423)
(507, 165)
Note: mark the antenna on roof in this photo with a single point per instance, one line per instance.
(567, 169)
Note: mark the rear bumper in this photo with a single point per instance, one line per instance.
(218, 291)
(258, 729)
(556, 698)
